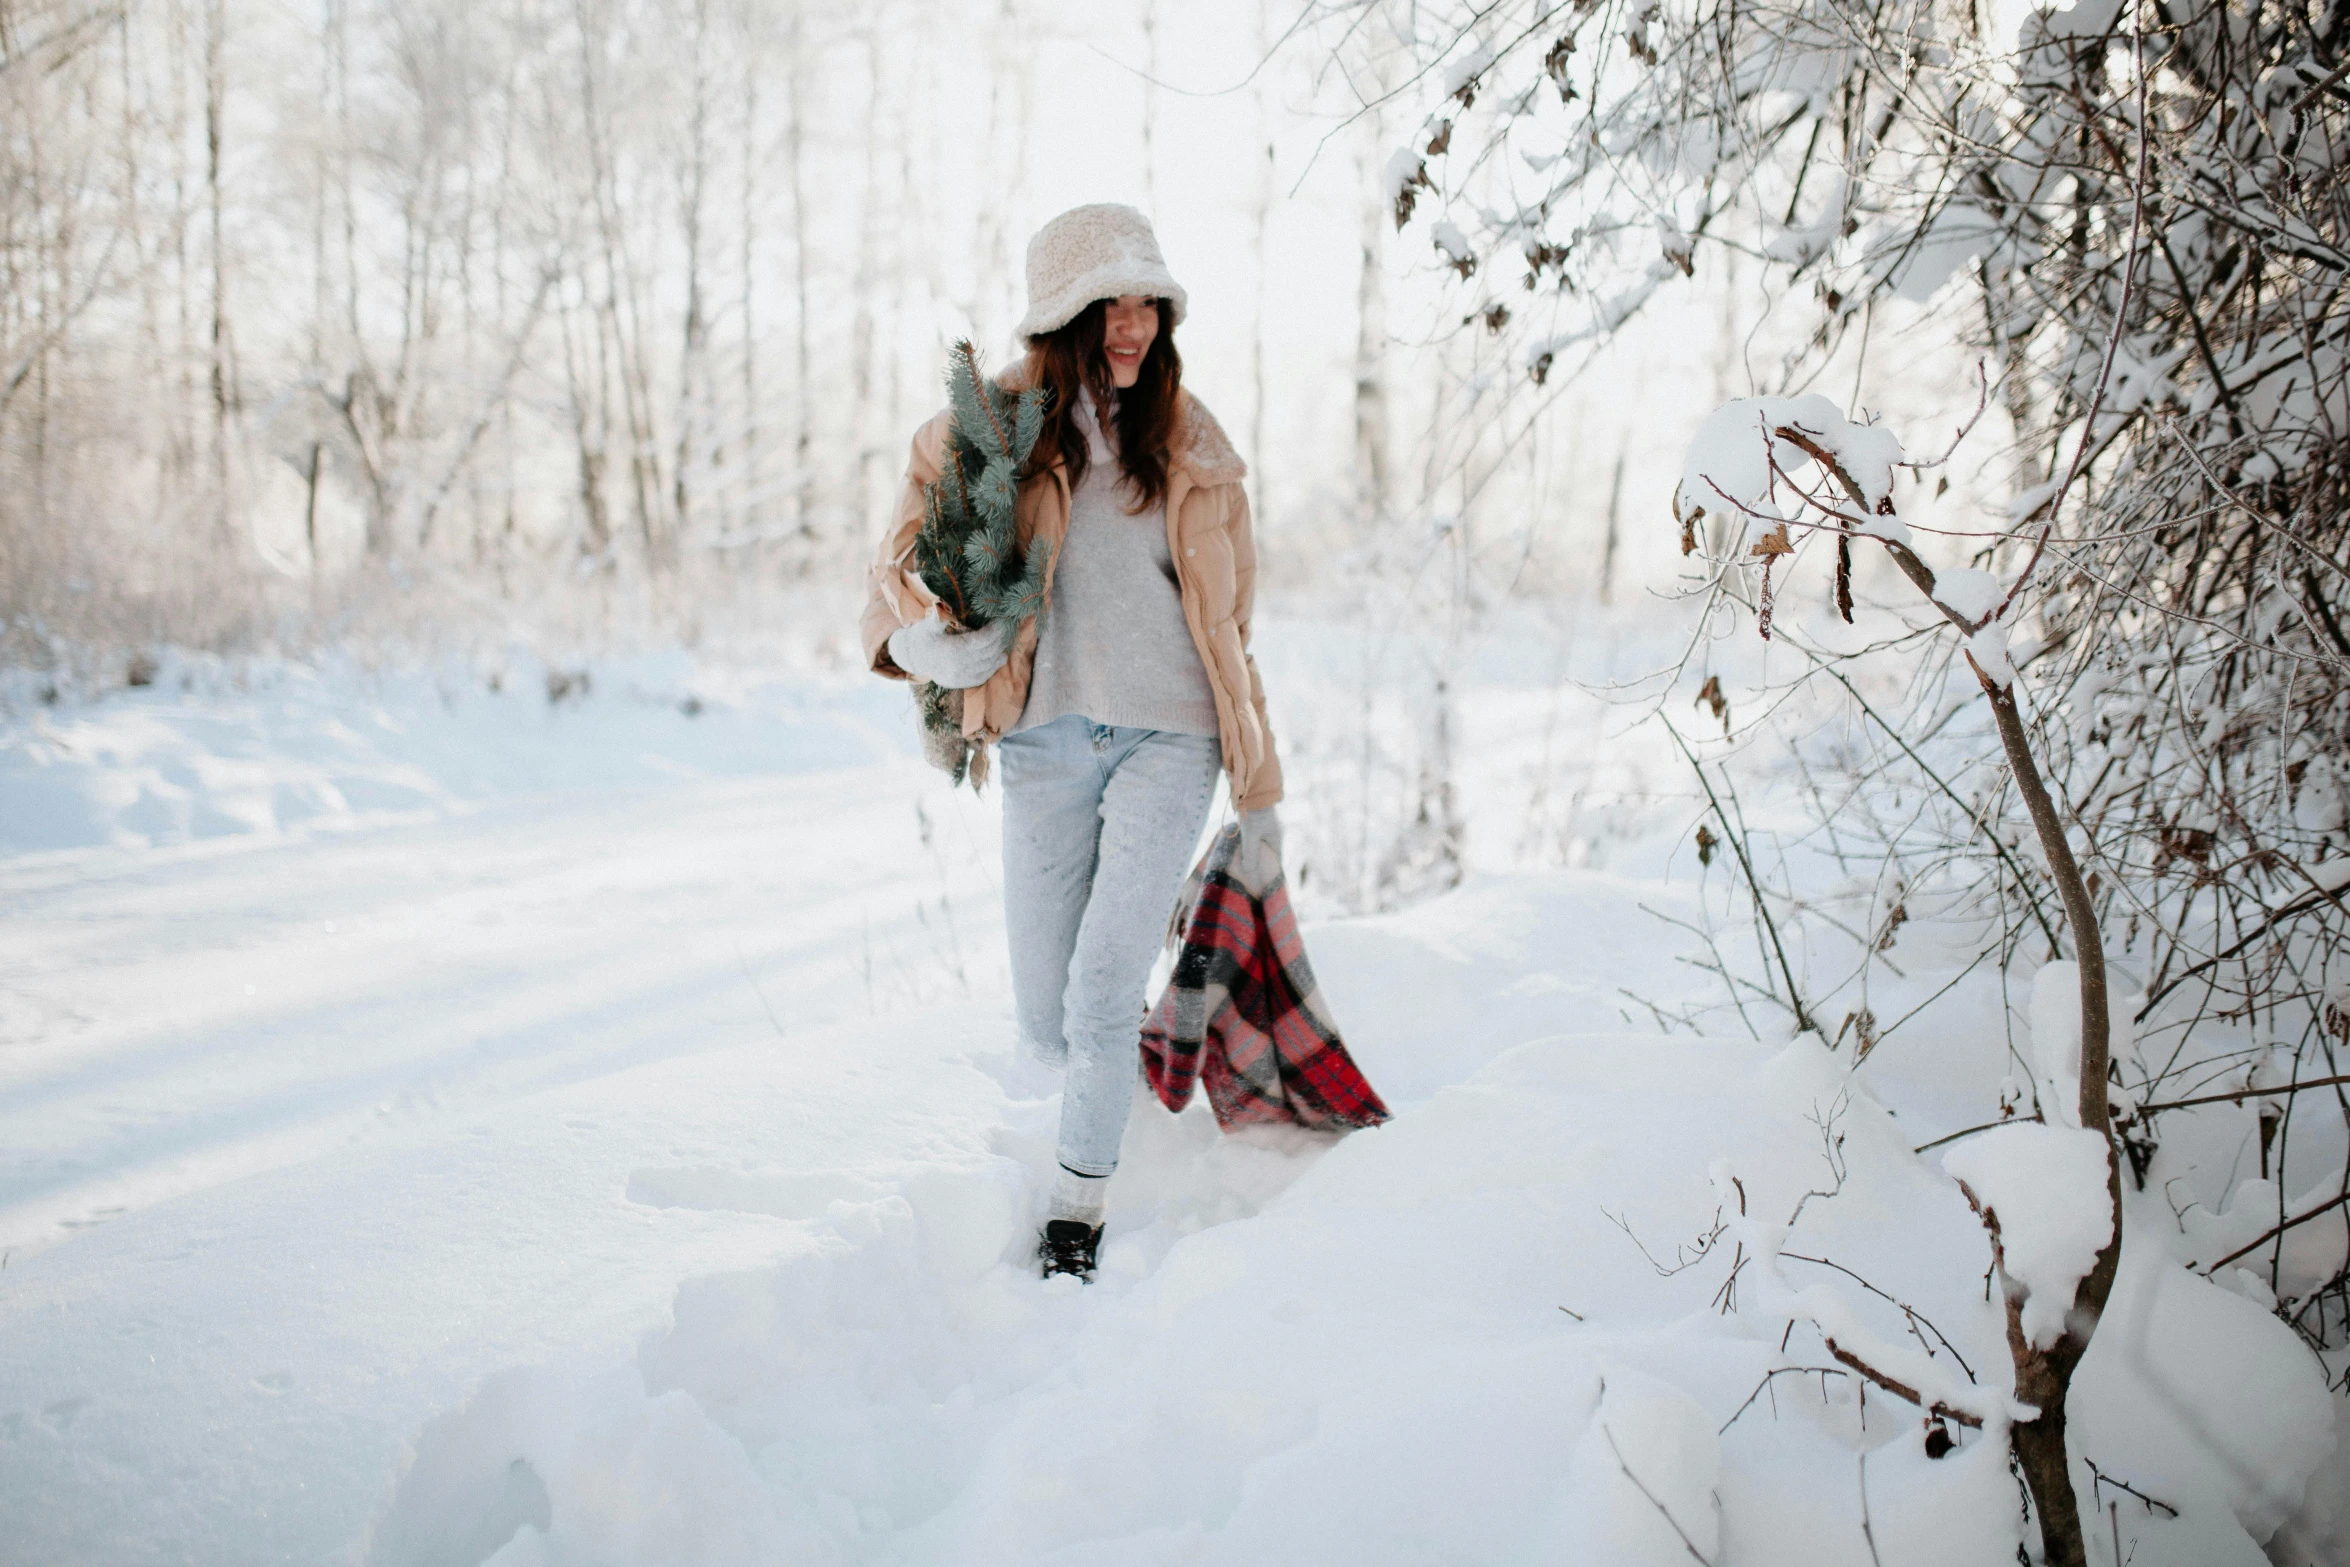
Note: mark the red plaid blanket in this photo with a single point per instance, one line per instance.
(1241, 1012)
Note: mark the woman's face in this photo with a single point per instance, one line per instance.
(1129, 323)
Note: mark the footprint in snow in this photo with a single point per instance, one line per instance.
(825, 1405)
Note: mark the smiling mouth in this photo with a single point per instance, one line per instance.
(1125, 353)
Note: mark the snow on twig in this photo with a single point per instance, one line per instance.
(2041, 1190)
(1908, 1374)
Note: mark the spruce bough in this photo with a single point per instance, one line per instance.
(968, 550)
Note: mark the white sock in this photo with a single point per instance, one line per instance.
(1080, 1197)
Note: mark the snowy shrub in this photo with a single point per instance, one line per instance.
(2136, 218)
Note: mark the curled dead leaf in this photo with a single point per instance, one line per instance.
(1862, 1026)
(1710, 696)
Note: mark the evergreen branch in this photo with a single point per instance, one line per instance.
(986, 393)
(934, 559)
(968, 364)
(983, 552)
(1028, 422)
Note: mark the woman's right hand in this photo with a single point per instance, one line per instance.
(958, 660)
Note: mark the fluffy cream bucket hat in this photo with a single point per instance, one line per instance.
(1090, 253)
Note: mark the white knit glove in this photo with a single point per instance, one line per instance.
(1260, 844)
(958, 660)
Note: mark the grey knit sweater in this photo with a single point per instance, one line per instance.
(1115, 647)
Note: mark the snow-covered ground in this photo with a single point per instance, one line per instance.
(442, 1125)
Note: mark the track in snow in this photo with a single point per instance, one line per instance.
(170, 1019)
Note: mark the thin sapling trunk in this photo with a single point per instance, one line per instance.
(1723, 469)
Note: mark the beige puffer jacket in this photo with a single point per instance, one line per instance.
(1215, 566)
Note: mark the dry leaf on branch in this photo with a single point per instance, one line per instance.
(1710, 696)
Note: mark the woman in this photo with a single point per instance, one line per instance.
(1113, 711)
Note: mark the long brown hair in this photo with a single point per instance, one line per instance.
(1068, 360)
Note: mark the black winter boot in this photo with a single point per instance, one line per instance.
(1067, 1246)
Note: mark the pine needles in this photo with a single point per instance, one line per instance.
(968, 550)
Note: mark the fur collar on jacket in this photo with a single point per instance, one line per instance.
(1202, 448)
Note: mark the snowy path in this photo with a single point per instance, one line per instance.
(640, 1173)
(337, 1125)
(205, 1012)
(307, 1137)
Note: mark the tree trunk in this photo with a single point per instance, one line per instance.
(863, 343)
(693, 352)
(310, 509)
(145, 264)
(2040, 1452)
(215, 87)
(1370, 476)
(1259, 451)
(2043, 1377)
(1150, 105)
(588, 440)
(803, 388)
(1607, 558)
(748, 513)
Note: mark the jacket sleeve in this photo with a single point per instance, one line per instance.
(1264, 787)
(894, 592)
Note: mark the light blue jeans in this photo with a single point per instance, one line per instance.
(1099, 828)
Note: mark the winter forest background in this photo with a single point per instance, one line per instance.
(1775, 518)
(634, 308)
